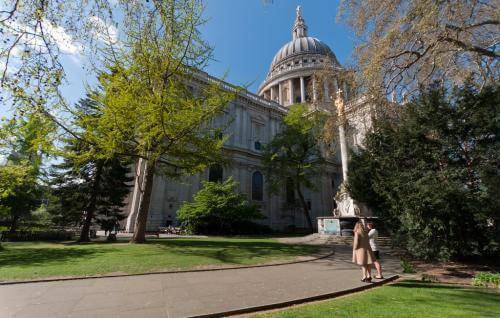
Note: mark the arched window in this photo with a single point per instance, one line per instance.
(215, 173)
(257, 186)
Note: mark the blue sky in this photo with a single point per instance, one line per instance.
(245, 34)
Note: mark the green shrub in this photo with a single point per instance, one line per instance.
(218, 208)
(486, 279)
(407, 267)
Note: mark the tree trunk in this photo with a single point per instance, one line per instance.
(13, 224)
(85, 233)
(305, 208)
(142, 217)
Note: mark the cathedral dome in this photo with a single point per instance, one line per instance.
(300, 46)
(302, 57)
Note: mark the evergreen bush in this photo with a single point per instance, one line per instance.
(218, 208)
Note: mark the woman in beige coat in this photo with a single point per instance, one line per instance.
(361, 251)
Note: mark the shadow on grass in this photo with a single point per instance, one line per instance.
(228, 251)
(40, 256)
(234, 252)
(419, 284)
(454, 294)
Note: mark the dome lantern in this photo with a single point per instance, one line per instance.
(299, 28)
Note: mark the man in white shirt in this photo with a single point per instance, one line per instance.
(373, 236)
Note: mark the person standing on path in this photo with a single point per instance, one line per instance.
(373, 237)
(361, 252)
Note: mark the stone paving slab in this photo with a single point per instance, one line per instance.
(178, 295)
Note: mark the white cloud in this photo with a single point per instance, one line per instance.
(56, 34)
(63, 40)
(103, 31)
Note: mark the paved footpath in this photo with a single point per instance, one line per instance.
(182, 294)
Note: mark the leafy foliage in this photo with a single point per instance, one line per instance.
(486, 279)
(407, 267)
(218, 209)
(432, 173)
(73, 185)
(157, 104)
(24, 141)
(87, 187)
(294, 155)
(19, 193)
(409, 43)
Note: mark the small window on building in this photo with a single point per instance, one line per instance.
(309, 206)
(305, 61)
(257, 145)
(314, 60)
(215, 173)
(257, 186)
(297, 62)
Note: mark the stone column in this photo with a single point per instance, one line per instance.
(339, 103)
(302, 90)
(315, 97)
(290, 88)
(280, 94)
(271, 89)
(343, 149)
(326, 91)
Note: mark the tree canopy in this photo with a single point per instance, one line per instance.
(88, 187)
(432, 173)
(25, 141)
(293, 158)
(157, 105)
(407, 43)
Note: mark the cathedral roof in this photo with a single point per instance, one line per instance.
(301, 46)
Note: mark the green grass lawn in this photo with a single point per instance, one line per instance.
(405, 299)
(26, 260)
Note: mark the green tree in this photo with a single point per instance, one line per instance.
(407, 43)
(88, 187)
(25, 141)
(152, 67)
(20, 193)
(432, 173)
(218, 208)
(156, 104)
(293, 157)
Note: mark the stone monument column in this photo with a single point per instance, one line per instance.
(339, 103)
(346, 206)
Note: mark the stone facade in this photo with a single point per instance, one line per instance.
(253, 121)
